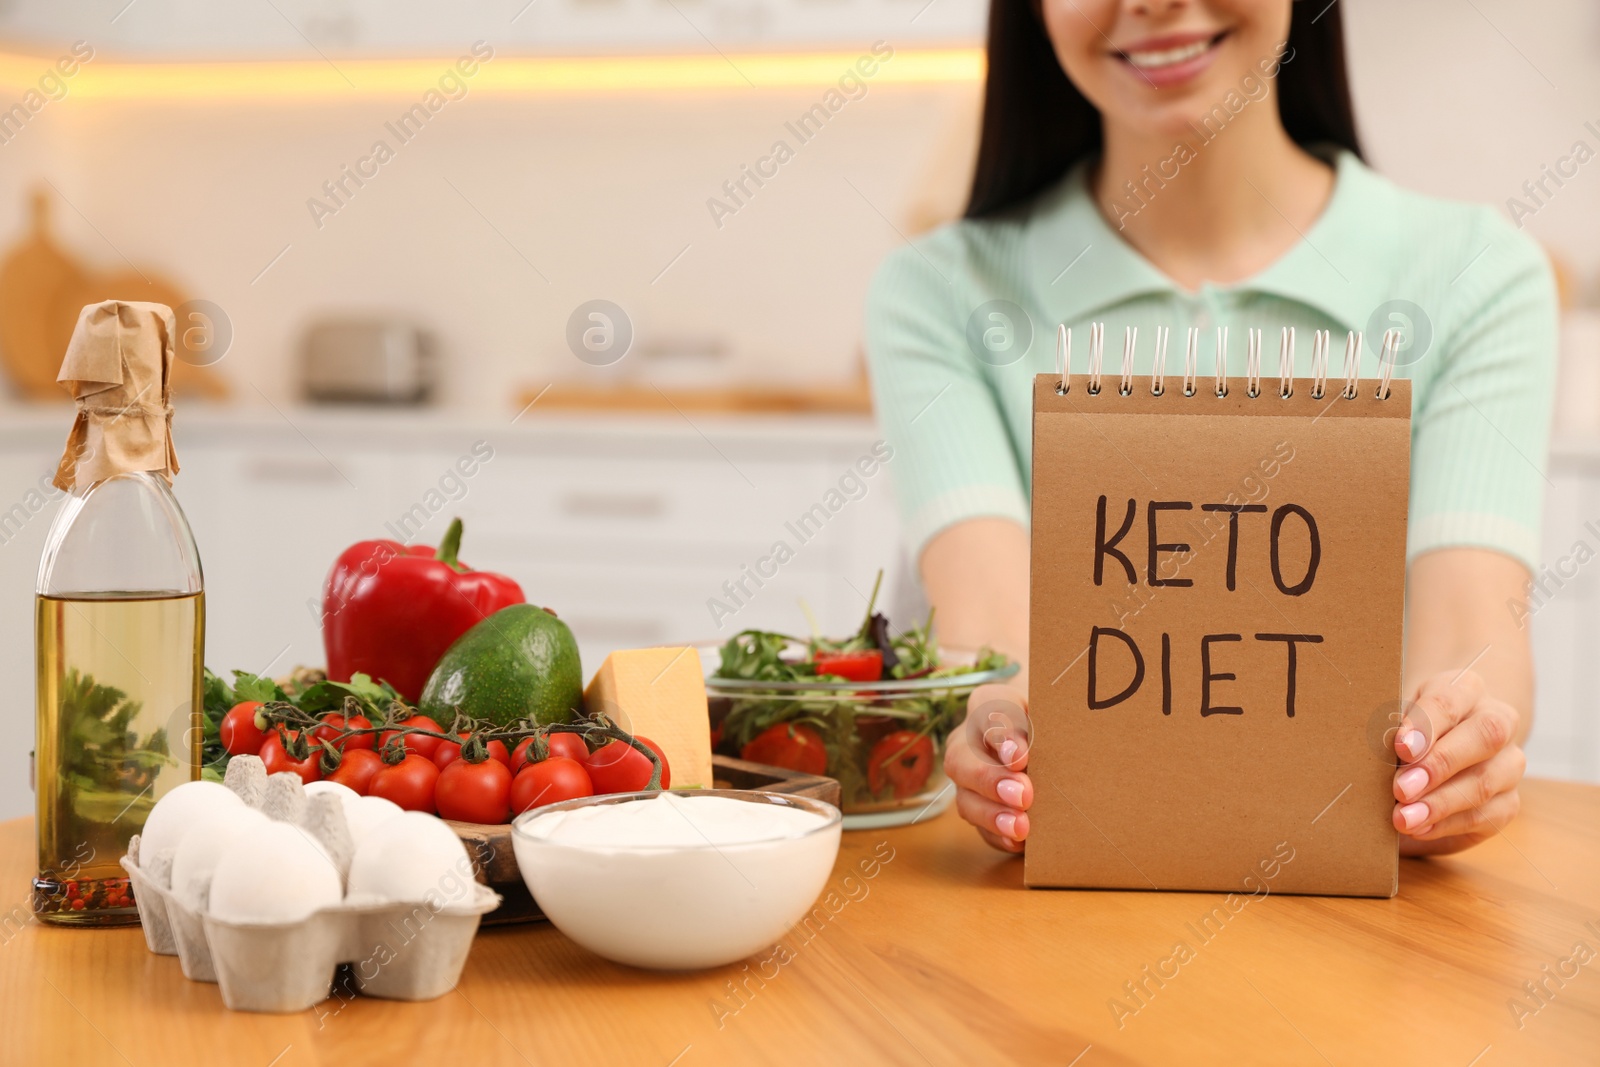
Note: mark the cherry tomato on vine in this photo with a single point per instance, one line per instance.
(793, 745)
(448, 752)
(409, 783)
(548, 782)
(357, 768)
(618, 767)
(422, 746)
(334, 724)
(666, 769)
(277, 758)
(474, 792)
(240, 735)
(569, 745)
(903, 760)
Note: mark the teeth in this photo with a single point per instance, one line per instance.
(1167, 57)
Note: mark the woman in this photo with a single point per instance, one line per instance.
(1194, 163)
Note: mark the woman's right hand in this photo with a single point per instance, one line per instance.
(986, 759)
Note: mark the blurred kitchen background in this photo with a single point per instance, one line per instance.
(538, 268)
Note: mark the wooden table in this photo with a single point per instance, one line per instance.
(942, 958)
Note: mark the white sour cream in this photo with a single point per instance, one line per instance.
(672, 821)
(719, 877)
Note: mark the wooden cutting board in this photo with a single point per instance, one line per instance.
(42, 289)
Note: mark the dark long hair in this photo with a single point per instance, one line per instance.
(1036, 124)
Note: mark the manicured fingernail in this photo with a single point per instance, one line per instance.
(1006, 823)
(1415, 744)
(1010, 791)
(1008, 752)
(1413, 815)
(1412, 782)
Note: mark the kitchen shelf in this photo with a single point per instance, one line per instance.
(852, 399)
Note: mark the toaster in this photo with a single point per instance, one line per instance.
(373, 361)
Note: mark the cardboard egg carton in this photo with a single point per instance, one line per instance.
(396, 950)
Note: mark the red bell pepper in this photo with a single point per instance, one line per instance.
(863, 666)
(391, 610)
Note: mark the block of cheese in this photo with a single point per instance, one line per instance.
(661, 694)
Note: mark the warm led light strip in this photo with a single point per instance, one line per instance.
(277, 80)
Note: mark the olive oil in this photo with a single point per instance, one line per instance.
(119, 724)
(119, 623)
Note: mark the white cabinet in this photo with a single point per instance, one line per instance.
(27, 460)
(626, 527)
(1565, 624)
(270, 512)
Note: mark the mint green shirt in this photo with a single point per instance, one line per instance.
(952, 382)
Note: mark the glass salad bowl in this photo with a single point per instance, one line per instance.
(882, 740)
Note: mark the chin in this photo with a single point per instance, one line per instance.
(1177, 121)
(1176, 118)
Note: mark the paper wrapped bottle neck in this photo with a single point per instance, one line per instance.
(118, 368)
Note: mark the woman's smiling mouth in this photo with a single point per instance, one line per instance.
(1163, 61)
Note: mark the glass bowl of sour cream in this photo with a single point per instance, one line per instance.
(677, 879)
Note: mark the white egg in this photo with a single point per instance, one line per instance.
(366, 814)
(173, 814)
(273, 873)
(343, 792)
(209, 836)
(412, 857)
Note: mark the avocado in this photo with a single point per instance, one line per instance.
(520, 662)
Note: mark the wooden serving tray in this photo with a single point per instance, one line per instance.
(496, 863)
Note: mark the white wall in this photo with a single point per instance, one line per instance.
(346, 27)
(597, 194)
(1469, 100)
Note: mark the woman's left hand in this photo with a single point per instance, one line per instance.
(1460, 769)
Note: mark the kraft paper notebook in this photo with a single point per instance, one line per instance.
(1216, 617)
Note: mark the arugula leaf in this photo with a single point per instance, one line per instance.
(216, 693)
(363, 686)
(916, 652)
(247, 686)
(374, 697)
(758, 656)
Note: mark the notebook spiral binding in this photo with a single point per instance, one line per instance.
(1321, 344)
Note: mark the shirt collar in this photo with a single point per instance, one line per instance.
(1080, 265)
